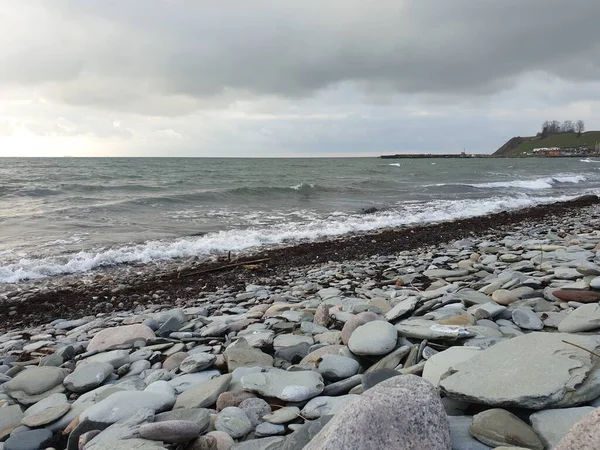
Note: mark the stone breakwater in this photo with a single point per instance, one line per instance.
(479, 343)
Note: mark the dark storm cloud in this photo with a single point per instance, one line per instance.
(173, 57)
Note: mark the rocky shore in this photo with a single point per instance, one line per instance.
(471, 335)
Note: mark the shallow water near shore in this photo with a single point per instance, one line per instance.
(69, 215)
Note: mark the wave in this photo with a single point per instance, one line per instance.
(240, 240)
(588, 160)
(395, 164)
(536, 184)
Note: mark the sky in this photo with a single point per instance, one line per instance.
(294, 79)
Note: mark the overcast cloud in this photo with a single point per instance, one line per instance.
(272, 78)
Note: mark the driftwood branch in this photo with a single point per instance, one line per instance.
(582, 348)
(228, 266)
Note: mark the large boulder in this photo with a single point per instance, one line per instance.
(535, 371)
(585, 435)
(402, 413)
(109, 337)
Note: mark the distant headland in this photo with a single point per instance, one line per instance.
(555, 140)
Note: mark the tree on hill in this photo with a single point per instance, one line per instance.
(554, 127)
(567, 127)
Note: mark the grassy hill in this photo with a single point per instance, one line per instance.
(517, 145)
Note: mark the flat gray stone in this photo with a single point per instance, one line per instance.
(88, 377)
(116, 358)
(441, 362)
(203, 395)
(28, 440)
(190, 380)
(402, 308)
(46, 411)
(197, 362)
(584, 318)
(36, 383)
(525, 318)
(158, 397)
(442, 273)
(126, 428)
(10, 418)
(240, 354)
(284, 385)
(171, 431)
(400, 413)
(199, 416)
(110, 337)
(503, 375)
(428, 329)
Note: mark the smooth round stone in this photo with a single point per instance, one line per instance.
(197, 362)
(373, 339)
(595, 283)
(504, 297)
(337, 367)
(28, 440)
(527, 319)
(111, 337)
(499, 427)
(88, 376)
(255, 409)
(46, 411)
(234, 422)
(172, 431)
(356, 321)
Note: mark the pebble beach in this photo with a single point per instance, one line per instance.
(474, 334)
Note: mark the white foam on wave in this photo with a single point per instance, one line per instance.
(239, 240)
(588, 160)
(303, 186)
(535, 184)
(394, 164)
